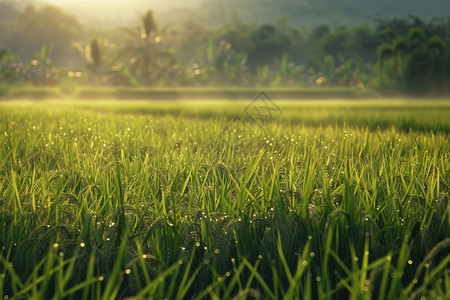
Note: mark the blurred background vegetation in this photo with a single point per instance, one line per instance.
(227, 43)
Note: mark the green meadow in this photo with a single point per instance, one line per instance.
(203, 200)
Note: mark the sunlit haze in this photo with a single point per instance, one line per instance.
(124, 4)
(116, 12)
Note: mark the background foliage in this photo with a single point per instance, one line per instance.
(54, 48)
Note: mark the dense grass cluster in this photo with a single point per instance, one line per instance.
(195, 200)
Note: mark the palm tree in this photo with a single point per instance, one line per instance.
(147, 59)
(99, 59)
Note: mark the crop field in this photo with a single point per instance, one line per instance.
(225, 200)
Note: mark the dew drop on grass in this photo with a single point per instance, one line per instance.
(101, 278)
(82, 245)
(55, 245)
(410, 262)
(180, 262)
(128, 271)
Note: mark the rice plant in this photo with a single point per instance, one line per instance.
(193, 200)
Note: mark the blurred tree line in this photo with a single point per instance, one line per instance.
(47, 46)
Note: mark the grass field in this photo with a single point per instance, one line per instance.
(198, 200)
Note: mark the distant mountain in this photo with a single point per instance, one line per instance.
(307, 12)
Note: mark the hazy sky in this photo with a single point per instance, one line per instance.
(113, 13)
(117, 11)
(125, 4)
